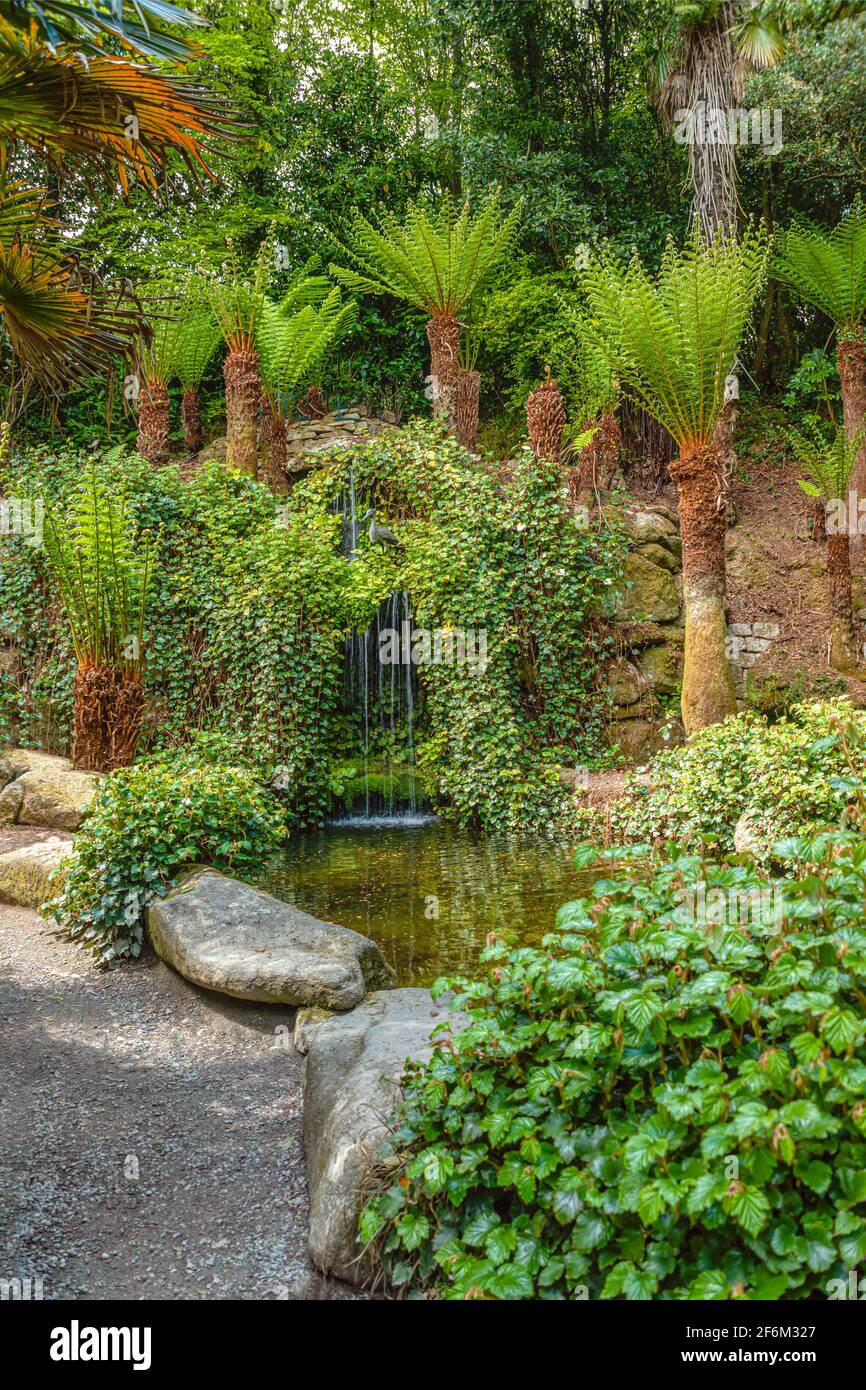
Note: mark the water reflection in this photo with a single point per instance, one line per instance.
(428, 894)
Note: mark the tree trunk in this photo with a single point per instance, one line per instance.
(851, 356)
(723, 441)
(600, 459)
(443, 335)
(274, 453)
(107, 710)
(708, 684)
(152, 442)
(545, 417)
(241, 373)
(468, 388)
(190, 414)
(843, 641)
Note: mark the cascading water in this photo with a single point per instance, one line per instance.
(381, 695)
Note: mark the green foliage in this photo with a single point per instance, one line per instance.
(657, 1103)
(829, 456)
(147, 823)
(788, 777)
(508, 563)
(814, 386)
(671, 339)
(101, 572)
(435, 259)
(827, 268)
(250, 599)
(292, 345)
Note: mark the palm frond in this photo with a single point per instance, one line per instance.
(672, 339)
(122, 116)
(827, 267)
(86, 24)
(434, 259)
(59, 331)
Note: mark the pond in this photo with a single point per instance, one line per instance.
(426, 892)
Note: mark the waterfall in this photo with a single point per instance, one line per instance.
(381, 698)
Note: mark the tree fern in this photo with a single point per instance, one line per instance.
(827, 267)
(101, 573)
(292, 345)
(828, 456)
(236, 296)
(434, 259)
(671, 339)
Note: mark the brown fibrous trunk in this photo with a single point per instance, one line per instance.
(243, 388)
(545, 418)
(708, 694)
(600, 459)
(152, 442)
(443, 335)
(190, 415)
(107, 710)
(272, 461)
(468, 395)
(314, 405)
(851, 358)
(843, 640)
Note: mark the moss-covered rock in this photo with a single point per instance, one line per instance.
(31, 875)
(648, 593)
(661, 665)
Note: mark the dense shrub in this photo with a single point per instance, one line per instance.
(149, 821)
(787, 777)
(252, 595)
(663, 1101)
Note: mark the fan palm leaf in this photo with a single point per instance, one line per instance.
(86, 24)
(122, 116)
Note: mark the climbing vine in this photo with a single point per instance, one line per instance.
(252, 596)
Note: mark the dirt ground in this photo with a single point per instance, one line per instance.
(150, 1134)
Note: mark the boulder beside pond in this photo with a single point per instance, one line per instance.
(351, 1083)
(226, 936)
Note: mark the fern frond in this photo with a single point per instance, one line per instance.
(292, 345)
(101, 572)
(435, 259)
(827, 268)
(672, 339)
(828, 456)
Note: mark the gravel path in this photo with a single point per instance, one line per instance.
(150, 1134)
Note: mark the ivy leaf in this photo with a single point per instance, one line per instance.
(750, 1209)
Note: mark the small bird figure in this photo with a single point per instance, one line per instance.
(379, 535)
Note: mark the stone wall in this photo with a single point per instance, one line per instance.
(648, 610)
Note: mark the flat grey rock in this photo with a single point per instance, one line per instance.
(354, 1066)
(226, 936)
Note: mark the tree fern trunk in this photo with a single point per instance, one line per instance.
(851, 356)
(243, 388)
(843, 642)
(443, 335)
(190, 414)
(600, 459)
(708, 684)
(152, 442)
(545, 419)
(107, 714)
(468, 393)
